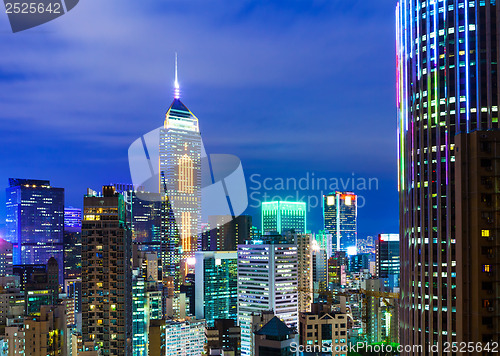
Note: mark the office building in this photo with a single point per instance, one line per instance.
(106, 273)
(216, 275)
(275, 338)
(337, 270)
(324, 330)
(72, 243)
(387, 259)
(305, 270)
(45, 334)
(35, 222)
(281, 216)
(180, 175)
(340, 211)
(319, 272)
(447, 77)
(478, 284)
(225, 233)
(184, 337)
(267, 280)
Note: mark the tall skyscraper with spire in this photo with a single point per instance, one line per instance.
(180, 174)
(448, 81)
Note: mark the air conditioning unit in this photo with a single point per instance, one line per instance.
(491, 309)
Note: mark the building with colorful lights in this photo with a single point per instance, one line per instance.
(447, 84)
(35, 222)
(387, 260)
(340, 213)
(280, 216)
(180, 175)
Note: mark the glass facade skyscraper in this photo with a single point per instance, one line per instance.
(35, 222)
(340, 214)
(280, 216)
(448, 81)
(180, 175)
(72, 243)
(387, 259)
(216, 293)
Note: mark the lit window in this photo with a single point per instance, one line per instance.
(485, 233)
(486, 268)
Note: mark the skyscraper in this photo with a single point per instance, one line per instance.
(72, 243)
(340, 213)
(280, 216)
(387, 259)
(106, 273)
(35, 222)
(267, 280)
(448, 80)
(180, 175)
(304, 265)
(216, 289)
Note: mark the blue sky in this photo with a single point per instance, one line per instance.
(291, 87)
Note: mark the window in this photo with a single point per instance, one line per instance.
(486, 268)
(485, 233)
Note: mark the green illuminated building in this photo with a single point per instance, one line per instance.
(216, 280)
(281, 216)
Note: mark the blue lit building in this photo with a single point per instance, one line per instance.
(72, 242)
(35, 222)
(387, 259)
(340, 213)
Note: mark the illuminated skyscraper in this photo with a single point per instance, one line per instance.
(340, 213)
(387, 259)
(106, 273)
(267, 280)
(180, 175)
(72, 243)
(280, 216)
(448, 82)
(35, 222)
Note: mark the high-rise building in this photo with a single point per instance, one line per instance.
(387, 259)
(280, 216)
(304, 268)
(337, 269)
(184, 337)
(267, 280)
(448, 82)
(180, 175)
(340, 211)
(72, 243)
(216, 292)
(106, 273)
(319, 271)
(35, 222)
(6, 258)
(225, 233)
(478, 283)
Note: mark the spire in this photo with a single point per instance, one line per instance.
(177, 92)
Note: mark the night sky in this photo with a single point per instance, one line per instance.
(293, 88)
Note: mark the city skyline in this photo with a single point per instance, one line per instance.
(215, 88)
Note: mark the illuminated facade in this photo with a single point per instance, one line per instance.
(387, 259)
(448, 80)
(267, 280)
(35, 222)
(106, 273)
(216, 290)
(180, 176)
(279, 216)
(340, 214)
